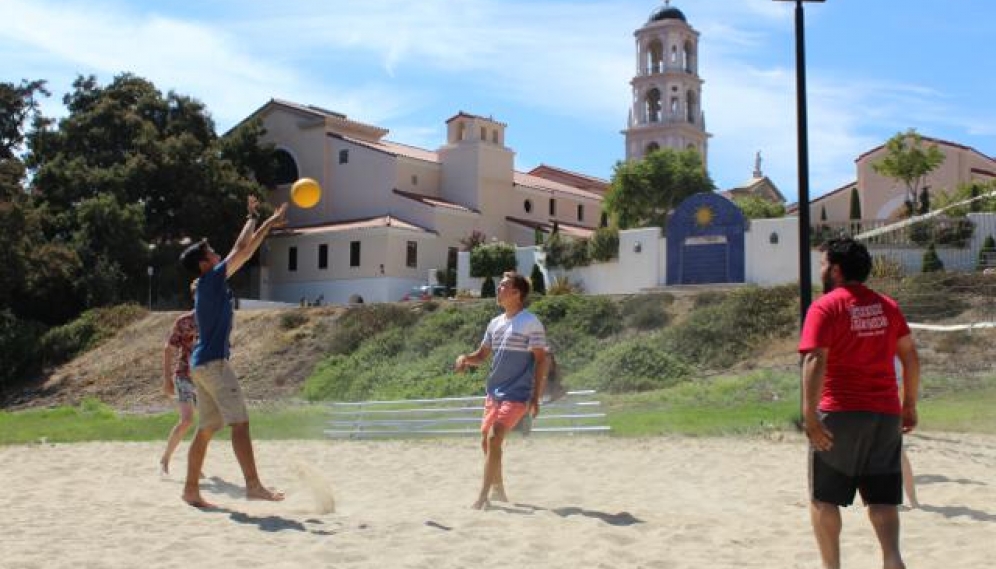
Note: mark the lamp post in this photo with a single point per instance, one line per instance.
(151, 270)
(805, 270)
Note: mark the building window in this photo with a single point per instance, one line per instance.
(411, 258)
(527, 205)
(354, 253)
(323, 256)
(604, 222)
(292, 259)
(553, 207)
(494, 136)
(484, 134)
(580, 212)
(343, 156)
(414, 180)
(286, 167)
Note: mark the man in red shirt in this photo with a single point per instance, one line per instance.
(850, 405)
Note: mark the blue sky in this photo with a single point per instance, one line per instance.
(556, 72)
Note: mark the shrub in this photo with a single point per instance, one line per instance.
(593, 315)
(292, 319)
(646, 311)
(363, 321)
(639, 364)
(604, 244)
(488, 288)
(718, 335)
(932, 296)
(987, 254)
(562, 285)
(931, 262)
(492, 259)
(536, 281)
(62, 343)
(18, 348)
(887, 268)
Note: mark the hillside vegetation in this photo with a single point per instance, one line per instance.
(655, 342)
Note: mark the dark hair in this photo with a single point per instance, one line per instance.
(192, 256)
(851, 256)
(520, 283)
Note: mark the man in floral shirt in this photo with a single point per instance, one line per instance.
(176, 379)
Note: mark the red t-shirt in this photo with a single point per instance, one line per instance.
(859, 327)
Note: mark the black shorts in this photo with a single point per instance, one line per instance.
(866, 456)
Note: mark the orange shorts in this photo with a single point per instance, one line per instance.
(504, 413)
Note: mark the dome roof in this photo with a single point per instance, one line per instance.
(667, 13)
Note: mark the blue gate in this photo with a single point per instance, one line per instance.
(705, 241)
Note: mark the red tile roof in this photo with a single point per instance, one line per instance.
(547, 227)
(542, 184)
(350, 225)
(434, 201)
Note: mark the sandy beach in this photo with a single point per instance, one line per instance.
(577, 502)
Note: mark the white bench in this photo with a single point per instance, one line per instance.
(575, 413)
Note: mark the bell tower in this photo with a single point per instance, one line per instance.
(666, 110)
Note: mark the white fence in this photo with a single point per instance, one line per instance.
(577, 412)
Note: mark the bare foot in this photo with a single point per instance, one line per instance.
(263, 493)
(481, 504)
(498, 495)
(196, 501)
(163, 467)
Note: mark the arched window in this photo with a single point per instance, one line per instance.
(691, 106)
(528, 206)
(286, 172)
(653, 103)
(688, 56)
(653, 146)
(655, 57)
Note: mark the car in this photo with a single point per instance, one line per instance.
(425, 292)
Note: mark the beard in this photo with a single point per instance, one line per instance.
(827, 284)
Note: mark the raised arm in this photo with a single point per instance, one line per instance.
(252, 203)
(240, 255)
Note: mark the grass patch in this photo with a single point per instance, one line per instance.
(95, 421)
(743, 405)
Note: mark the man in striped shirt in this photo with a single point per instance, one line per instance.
(516, 380)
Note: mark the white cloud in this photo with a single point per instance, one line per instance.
(389, 62)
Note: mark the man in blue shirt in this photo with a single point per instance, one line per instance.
(220, 400)
(516, 381)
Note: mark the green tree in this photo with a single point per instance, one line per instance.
(604, 244)
(754, 207)
(18, 105)
(490, 260)
(158, 153)
(855, 204)
(973, 197)
(643, 192)
(909, 160)
(931, 262)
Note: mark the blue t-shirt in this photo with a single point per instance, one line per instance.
(510, 340)
(213, 309)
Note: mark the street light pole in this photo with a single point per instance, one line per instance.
(805, 265)
(151, 271)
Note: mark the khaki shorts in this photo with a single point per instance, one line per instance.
(220, 401)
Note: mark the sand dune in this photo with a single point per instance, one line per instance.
(582, 502)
